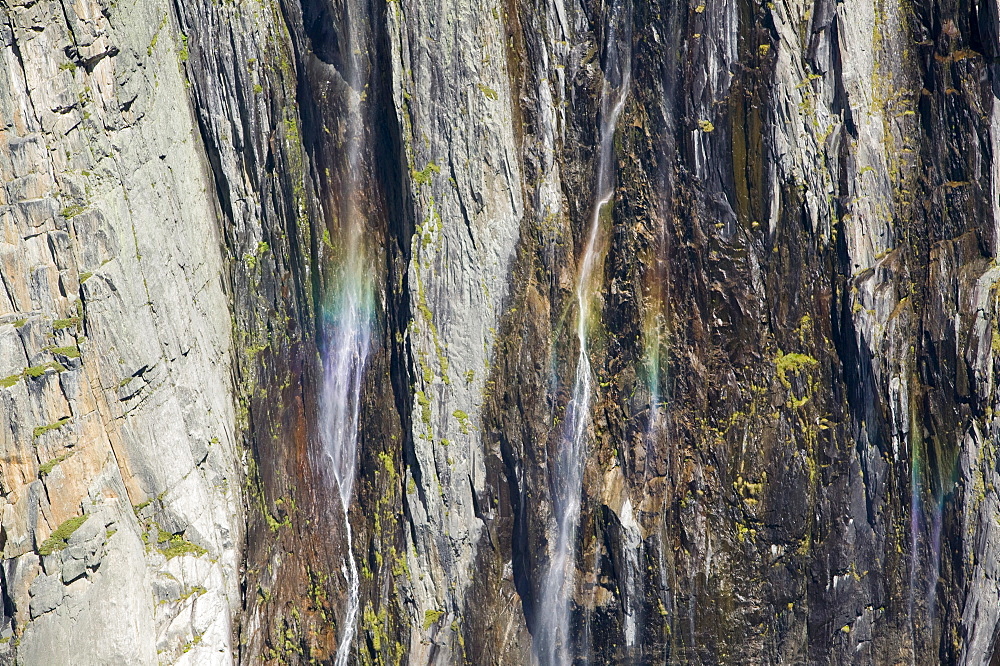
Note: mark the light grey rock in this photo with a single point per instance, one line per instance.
(19, 573)
(106, 620)
(108, 226)
(73, 568)
(46, 594)
(166, 588)
(92, 529)
(449, 64)
(52, 564)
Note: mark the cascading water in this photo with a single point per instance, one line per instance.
(914, 543)
(553, 622)
(344, 366)
(347, 316)
(925, 536)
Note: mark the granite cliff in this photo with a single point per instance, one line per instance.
(435, 332)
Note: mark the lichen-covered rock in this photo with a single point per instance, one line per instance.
(452, 89)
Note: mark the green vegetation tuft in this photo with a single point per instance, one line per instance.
(431, 617)
(60, 324)
(425, 407)
(424, 177)
(373, 627)
(273, 523)
(46, 468)
(793, 363)
(250, 258)
(190, 644)
(71, 351)
(195, 590)
(58, 539)
(139, 507)
(41, 430)
(463, 420)
(488, 92)
(172, 545)
(72, 211)
(37, 371)
(156, 36)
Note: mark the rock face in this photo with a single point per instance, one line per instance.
(790, 439)
(118, 404)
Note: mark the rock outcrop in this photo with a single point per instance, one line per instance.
(123, 519)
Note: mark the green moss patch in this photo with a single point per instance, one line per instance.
(425, 407)
(139, 507)
(71, 351)
(488, 92)
(46, 468)
(196, 590)
(72, 211)
(423, 177)
(59, 539)
(178, 545)
(792, 363)
(175, 545)
(39, 370)
(431, 617)
(41, 430)
(463, 421)
(60, 324)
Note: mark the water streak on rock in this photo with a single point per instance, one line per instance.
(348, 318)
(553, 640)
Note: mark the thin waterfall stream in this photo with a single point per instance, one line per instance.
(926, 518)
(553, 645)
(344, 365)
(347, 316)
(914, 544)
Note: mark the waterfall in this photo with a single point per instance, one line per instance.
(925, 534)
(344, 365)
(347, 317)
(553, 623)
(915, 488)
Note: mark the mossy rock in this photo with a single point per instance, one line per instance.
(60, 537)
